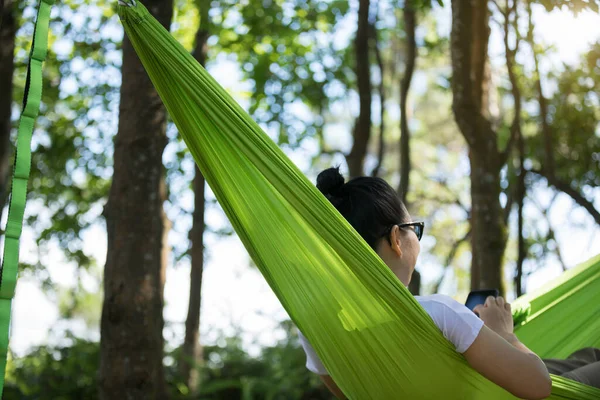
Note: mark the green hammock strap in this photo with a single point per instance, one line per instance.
(22, 167)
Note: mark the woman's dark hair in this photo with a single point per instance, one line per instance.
(370, 204)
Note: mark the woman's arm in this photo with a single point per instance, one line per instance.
(498, 355)
(508, 365)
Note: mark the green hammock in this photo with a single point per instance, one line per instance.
(373, 337)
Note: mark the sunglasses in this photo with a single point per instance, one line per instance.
(418, 227)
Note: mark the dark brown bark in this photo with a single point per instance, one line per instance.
(487, 224)
(510, 19)
(131, 345)
(8, 30)
(480, 68)
(381, 90)
(511, 12)
(522, 250)
(191, 351)
(469, 40)
(410, 22)
(362, 127)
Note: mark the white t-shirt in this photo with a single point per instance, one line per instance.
(458, 324)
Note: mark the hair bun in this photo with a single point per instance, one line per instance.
(330, 181)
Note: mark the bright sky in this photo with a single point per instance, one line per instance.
(235, 295)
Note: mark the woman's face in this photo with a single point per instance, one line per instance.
(401, 255)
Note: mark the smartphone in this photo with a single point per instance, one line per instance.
(477, 297)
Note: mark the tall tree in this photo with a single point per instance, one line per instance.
(410, 22)
(382, 99)
(191, 352)
(362, 126)
(510, 20)
(131, 360)
(469, 43)
(8, 28)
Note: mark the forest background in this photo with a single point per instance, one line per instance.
(493, 141)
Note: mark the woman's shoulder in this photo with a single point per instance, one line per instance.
(458, 324)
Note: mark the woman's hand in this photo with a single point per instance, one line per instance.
(497, 315)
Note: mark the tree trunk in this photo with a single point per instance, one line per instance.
(410, 23)
(469, 40)
(522, 252)
(381, 90)
(8, 29)
(487, 224)
(362, 127)
(191, 352)
(131, 346)
(480, 67)
(511, 11)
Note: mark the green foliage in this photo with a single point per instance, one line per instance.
(575, 6)
(278, 373)
(65, 372)
(69, 372)
(575, 112)
(72, 145)
(573, 116)
(186, 18)
(286, 51)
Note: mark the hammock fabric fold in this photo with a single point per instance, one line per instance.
(564, 315)
(373, 337)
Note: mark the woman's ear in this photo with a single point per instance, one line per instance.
(395, 241)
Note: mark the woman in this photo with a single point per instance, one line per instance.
(373, 208)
